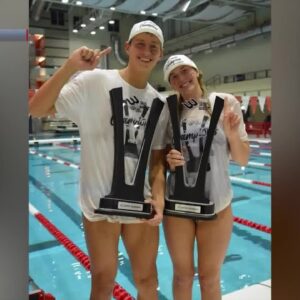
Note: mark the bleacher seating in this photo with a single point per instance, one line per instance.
(258, 128)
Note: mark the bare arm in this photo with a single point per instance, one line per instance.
(157, 182)
(239, 149)
(42, 103)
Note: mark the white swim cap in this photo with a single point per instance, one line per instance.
(175, 61)
(146, 26)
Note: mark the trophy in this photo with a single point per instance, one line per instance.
(190, 201)
(128, 199)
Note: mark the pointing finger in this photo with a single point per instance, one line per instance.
(104, 52)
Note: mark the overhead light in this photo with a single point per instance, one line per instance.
(101, 27)
(222, 42)
(200, 48)
(78, 2)
(142, 12)
(231, 45)
(186, 6)
(75, 30)
(41, 59)
(38, 36)
(112, 8)
(64, 1)
(83, 25)
(154, 14)
(92, 19)
(111, 21)
(208, 51)
(93, 32)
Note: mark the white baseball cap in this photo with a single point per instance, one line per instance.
(175, 61)
(147, 26)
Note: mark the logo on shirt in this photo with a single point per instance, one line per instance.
(192, 103)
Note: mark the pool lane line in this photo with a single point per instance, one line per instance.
(260, 147)
(68, 164)
(70, 147)
(249, 181)
(257, 153)
(119, 292)
(249, 163)
(78, 167)
(252, 163)
(59, 161)
(77, 148)
(252, 224)
(35, 142)
(260, 141)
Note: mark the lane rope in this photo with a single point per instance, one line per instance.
(261, 147)
(254, 225)
(66, 163)
(257, 153)
(35, 142)
(119, 293)
(249, 181)
(252, 163)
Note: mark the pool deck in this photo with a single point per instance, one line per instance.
(261, 291)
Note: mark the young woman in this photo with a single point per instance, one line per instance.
(85, 100)
(212, 237)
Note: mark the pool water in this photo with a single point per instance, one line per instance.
(53, 189)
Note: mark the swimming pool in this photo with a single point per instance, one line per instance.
(53, 186)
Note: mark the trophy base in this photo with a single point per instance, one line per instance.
(122, 207)
(190, 210)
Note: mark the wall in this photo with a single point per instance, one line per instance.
(257, 87)
(247, 56)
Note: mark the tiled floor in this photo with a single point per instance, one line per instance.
(260, 291)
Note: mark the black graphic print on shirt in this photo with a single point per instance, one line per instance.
(193, 134)
(134, 115)
(192, 103)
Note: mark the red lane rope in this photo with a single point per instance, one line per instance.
(261, 183)
(249, 181)
(251, 163)
(119, 292)
(254, 225)
(68, 146)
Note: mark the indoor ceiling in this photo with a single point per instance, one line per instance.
(203, 11)
(186, 23)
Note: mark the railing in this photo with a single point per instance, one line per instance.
(219, 79)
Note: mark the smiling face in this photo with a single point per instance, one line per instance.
(184, 79)
(144, 51)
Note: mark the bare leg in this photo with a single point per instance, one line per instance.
(102, 240)
(180, 237)
(141, 243)
(212, 239)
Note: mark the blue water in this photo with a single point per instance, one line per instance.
(53, 191)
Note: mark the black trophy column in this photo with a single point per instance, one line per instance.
(190, 202)
(125, 199)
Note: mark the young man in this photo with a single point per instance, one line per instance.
(85, 100)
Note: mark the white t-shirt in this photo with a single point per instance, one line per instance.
(86, 101)
(194, 124)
